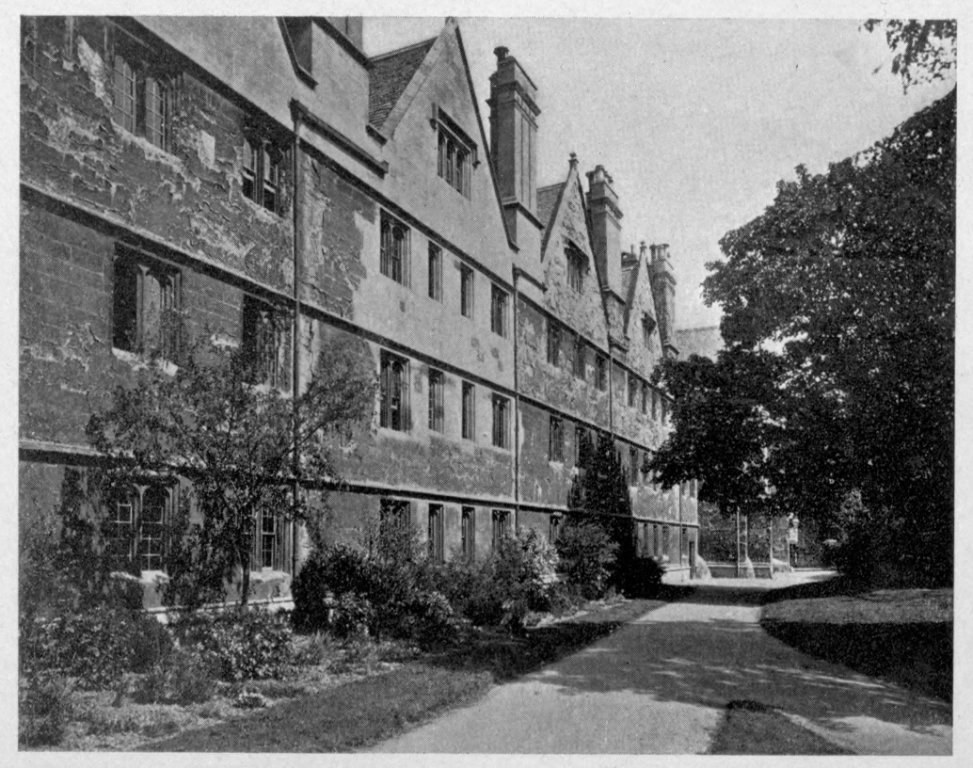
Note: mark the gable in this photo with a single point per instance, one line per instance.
(640, 305)
(438, 98)
(567, 229)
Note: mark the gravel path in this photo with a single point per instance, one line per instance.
(659, 685)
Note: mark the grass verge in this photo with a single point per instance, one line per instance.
(751, 728)
(902, 635)
(369, 710)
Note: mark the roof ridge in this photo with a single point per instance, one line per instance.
(403, 49)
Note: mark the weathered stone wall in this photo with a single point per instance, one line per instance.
(67, 366)
(544, 481)
(88, 185)
(552, 384)
(189, 197)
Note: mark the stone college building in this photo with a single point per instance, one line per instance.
(266, 180)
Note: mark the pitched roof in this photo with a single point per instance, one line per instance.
(389, 74)
(547, 201)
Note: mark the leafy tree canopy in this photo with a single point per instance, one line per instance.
(923, 49)
(838, 317)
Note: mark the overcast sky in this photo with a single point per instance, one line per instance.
(696, 119)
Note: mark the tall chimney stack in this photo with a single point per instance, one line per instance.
(663, 279)
(513, 142)
(606, 229)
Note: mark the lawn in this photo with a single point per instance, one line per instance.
(902, 635)
(366, 710)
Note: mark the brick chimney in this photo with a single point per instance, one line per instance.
(513, 142)
(663, 279)
(606, 229)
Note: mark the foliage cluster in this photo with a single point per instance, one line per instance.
(181, 677)
(243, 644)
(242, 445)
(395, 592)
(603, 553)
(386, 593)
(837, 374)
(45, 707)
(96, 646)
(587, 554)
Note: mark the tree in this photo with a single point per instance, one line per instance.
(721, 426)
(924, 50)
(601, 490)
(245, 449)
(849, 278)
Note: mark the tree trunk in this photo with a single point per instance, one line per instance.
(244, 578)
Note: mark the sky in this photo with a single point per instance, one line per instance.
(695, 119)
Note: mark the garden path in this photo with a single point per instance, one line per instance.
(660, 685)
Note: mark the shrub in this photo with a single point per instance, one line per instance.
(639, 576)
(430, 620)
(587, 554)
(182, 677)
(385, 594)
(470, 590)
(151, 644)
(97, 645)
(45, 706)
(330, 573)
(246, 644)
(523, 570)
(354, 616)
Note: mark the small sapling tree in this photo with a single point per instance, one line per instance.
(243, 448)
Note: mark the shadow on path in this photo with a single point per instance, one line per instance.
(708, 649)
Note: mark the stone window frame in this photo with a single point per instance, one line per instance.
(499, 310)
(394, 242)
(555, 439)
(393, 392)
(581, 434)
(501, 525)
(139, 325)
(468, 411)
(266, 342)
(648, 326)
(468, 533)
(466, 291)
(135, 550)
(437, 409)
(456, 152)
(633, 465)
(601, 372)
(579, 356)
(577, 267)
(435, 533)
(143, 88)
(261, 170)
(642, 539)
(270, 540)
(554, 527)
(435, 272)
(631, 389)
(500, 408)
(554, 333)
